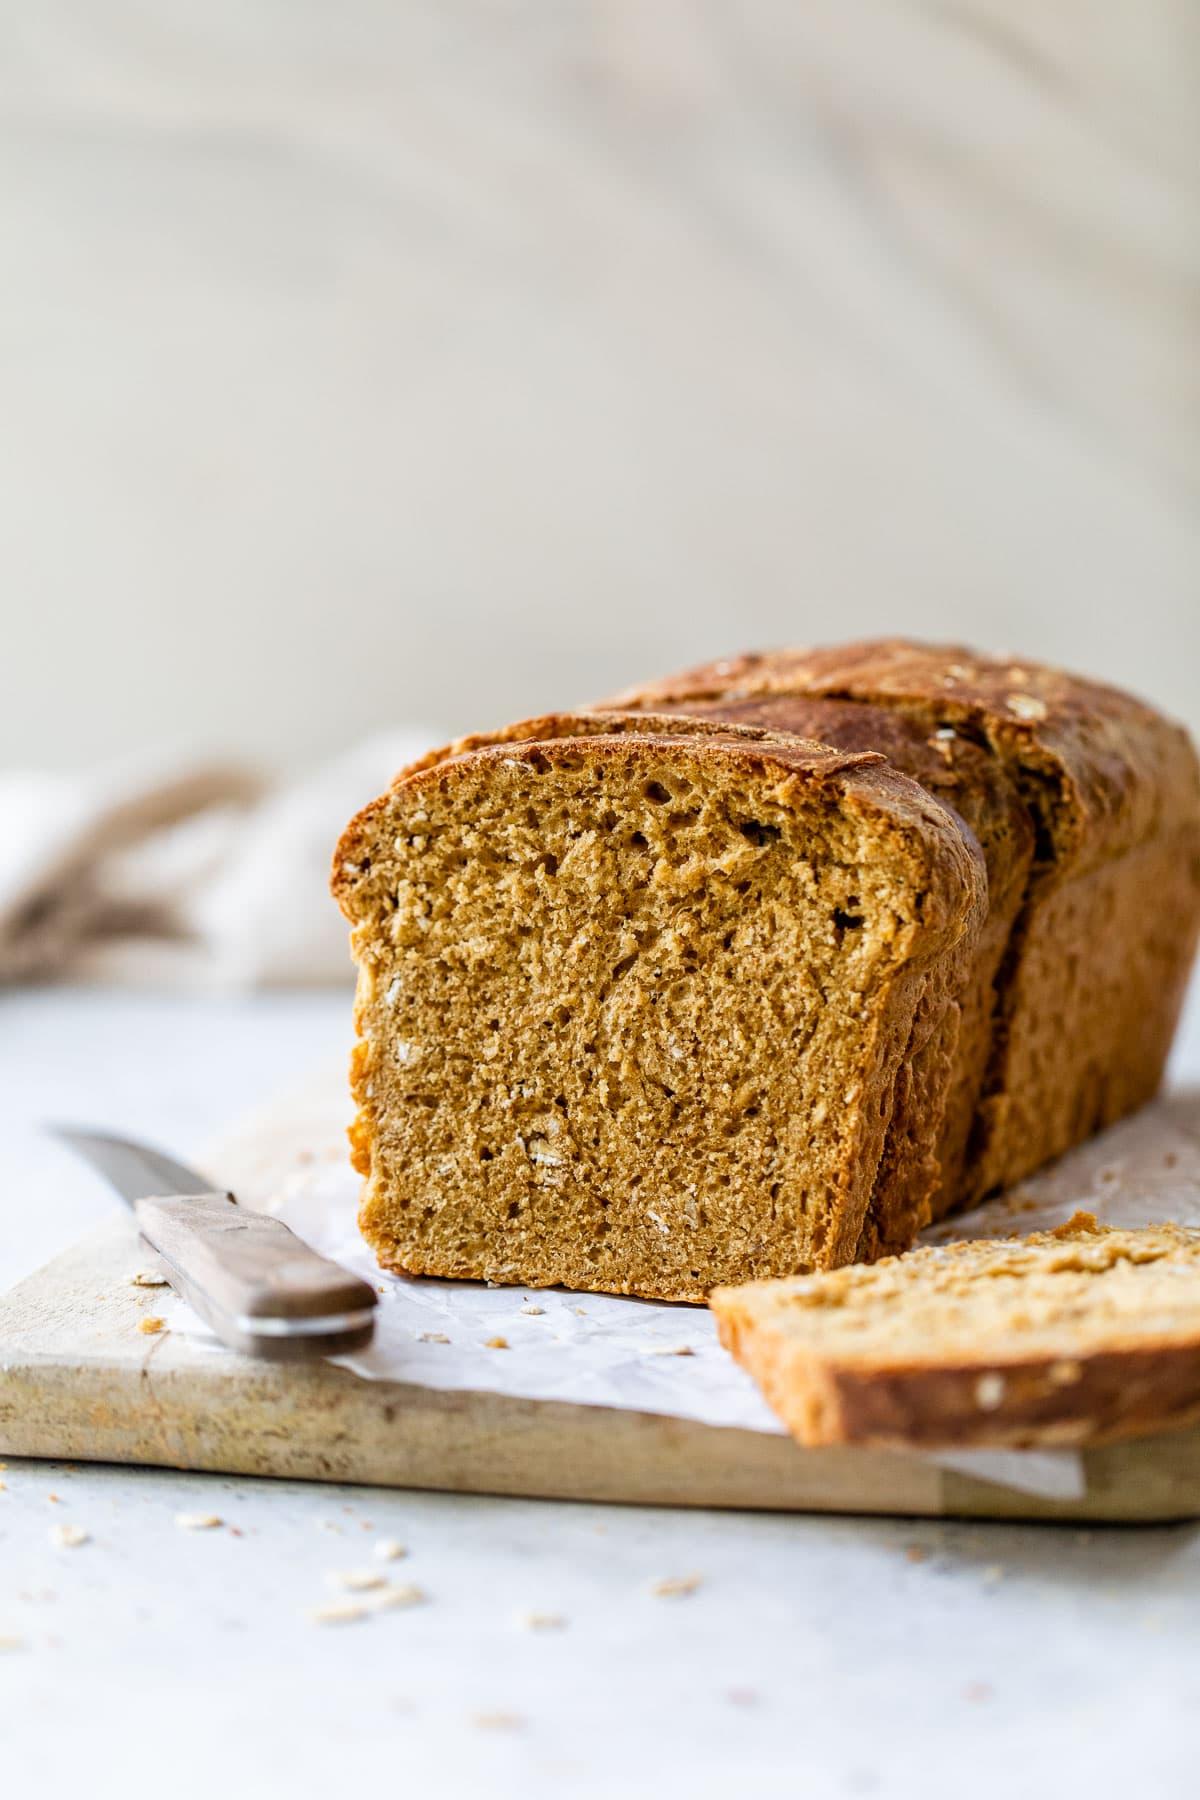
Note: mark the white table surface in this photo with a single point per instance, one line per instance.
(817, 1657)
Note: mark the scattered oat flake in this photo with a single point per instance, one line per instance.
(672, 1350)
(498, 1721)
(533, 1312)
(1027, 707)
(338, 1612)
(146, 1278)
(541, 1621)
(358, 1581)
(389, 1550)
(580, 1311)
(989, 1392)
(69, 1537)
(396, 1595)
(434, 1337)
(671, 1587)
(198, 1521)
(150, 1324)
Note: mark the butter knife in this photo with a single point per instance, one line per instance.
(250, 1278)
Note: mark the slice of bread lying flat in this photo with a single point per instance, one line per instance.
(634, 1008)
(1078, 1336)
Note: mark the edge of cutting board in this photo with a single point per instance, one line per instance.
(79, 1382)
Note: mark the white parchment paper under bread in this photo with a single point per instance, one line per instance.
(601, 1350)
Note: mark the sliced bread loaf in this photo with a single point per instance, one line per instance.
(634, 1006)
(1081, 1335)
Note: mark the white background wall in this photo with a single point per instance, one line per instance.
(372, 361)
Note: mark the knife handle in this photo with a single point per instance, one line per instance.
(253, 1281)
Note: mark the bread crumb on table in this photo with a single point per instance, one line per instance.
(10, 1641)
(390, 1550)
(150, 1324)
(392, 1597)
(671, 1587)
(541, 1621)
(338, 1612)
(69, 1537)
(916, 1553)
(198, 1521)
(672, 1350)
(357, 1581)
(498, 1721)
(146, 1278)
(534, 1312)
(496, 1343)
(433, 1337)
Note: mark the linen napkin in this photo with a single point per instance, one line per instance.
(175, 874)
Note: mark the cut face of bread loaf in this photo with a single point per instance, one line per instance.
(633, 1006)
(1086, 964)
(1078, 1336)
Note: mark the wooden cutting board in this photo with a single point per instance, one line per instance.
(80, 1381)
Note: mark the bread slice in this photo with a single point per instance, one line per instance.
(1089, 985)
(943, 1066)
(633, 1007)
(1081, 1335)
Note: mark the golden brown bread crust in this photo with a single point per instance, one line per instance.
(1092, 979)
(1100, 769)
(943, 866)
(1124, 1379)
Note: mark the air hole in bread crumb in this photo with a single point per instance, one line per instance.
(759, 834)
(654, 790)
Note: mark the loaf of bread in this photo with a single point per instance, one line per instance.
(1077, 1336)
(639, 1002)
(1095, 897)
(754, 970)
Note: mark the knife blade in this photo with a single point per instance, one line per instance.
(251, 1279)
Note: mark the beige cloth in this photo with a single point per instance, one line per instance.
(169, 874)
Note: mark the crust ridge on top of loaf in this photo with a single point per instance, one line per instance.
(596, 1048)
